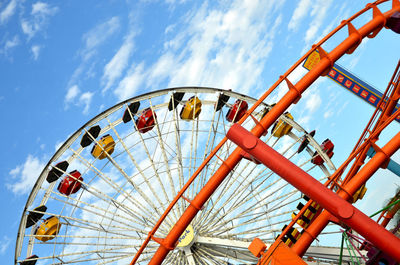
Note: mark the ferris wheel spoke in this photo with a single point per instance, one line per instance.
(156, 174)
(178, 146)
(237, 191)
(97, 213)
(112, 184)
(210, 146)
(89, 224)
(107, 214)
(85, 256)
(165, 159)
(104, 197)
(203, 256)
(127, 178)
(138, 168)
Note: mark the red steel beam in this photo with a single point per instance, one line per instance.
(329, 200)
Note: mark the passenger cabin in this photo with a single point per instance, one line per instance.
(35, 215)
(393, 22)
(48, 229)
(305, 142)
(71, 183)
(104, 146)
(30, 260)
(237, 111)
(146, 121)
(130, 111)
(57, 171)
(309, 215)
(327, 147)
(191, 110)
(359, 195)
(282, 128)
(90, 135)
(291, 237)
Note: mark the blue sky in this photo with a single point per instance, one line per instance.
(63, 62)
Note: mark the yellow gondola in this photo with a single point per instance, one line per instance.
(107, 144)
(282, 128)
(48, 229)
(192, 109)
(292, 236)
(308, 216)
(359, 195)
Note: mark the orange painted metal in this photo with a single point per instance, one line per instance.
(280, 254)
(291, 97)
(257, 247)
(336, 204)
(387, 215)
(357, 180)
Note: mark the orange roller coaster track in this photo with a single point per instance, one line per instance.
(348, 45)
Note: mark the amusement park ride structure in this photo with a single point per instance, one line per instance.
(179, 221)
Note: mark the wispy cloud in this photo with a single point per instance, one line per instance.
(10, 44)
(8, 11)
(40, 14)
(319, 12)
(72, 92)
(25, 175)
(85, 100)
(97, 36)
(35, 51)
(4, 244)
(226, 46)
(75, 97)
(299, 13)
(114, 68)
(131, 82)
(92, 40)
(313, 102)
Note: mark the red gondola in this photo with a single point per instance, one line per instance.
(394, 22)
(70, 184)
(327, 147)
(237, 111)
(146, 120)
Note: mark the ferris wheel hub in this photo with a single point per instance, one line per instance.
(187, 237)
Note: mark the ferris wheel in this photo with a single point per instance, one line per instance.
(125, 187)
(108, 184)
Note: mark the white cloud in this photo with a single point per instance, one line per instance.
(328, 114)
(4, 245)
(40, 8)
(73, 91)
(85, 100)
(98, 35)
(25, 175)
(75, 97)
(92, 40)
(319, 12)
(313, 102)
(222, 47)
(10, 44)
(131, 83)
(299, 13)
(114, 68)
(40, 14)
(8, 11)
(35, 51)
(58, 145)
